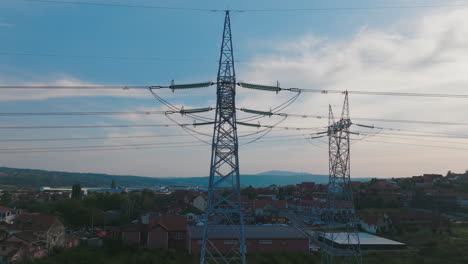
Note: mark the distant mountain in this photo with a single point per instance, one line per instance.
(37, 178)
(282, 173)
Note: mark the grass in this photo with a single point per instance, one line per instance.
(427, 248)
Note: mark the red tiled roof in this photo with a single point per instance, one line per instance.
(371, 219)
(312, 203)
(36, 222)
(343, 204)
(171, 222)
(280, 204)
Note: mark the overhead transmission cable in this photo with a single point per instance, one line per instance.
(301, 9)
(118, 58)
(324, 91)
(127, 5)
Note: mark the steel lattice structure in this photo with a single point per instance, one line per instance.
(340, 195)
(224, 200)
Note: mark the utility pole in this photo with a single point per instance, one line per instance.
(224, 200)
(340, 214)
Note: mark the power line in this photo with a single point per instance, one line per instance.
(324, 91)
(123, 146)
(173, 86)
(270, 113)
(122, 58)
(317, 9)
(125, 137)
(412, 144)
(176, 87)
(92, 126)
(78, 87)
(86, 113)
(425, 122)
(127, 5)
(417, 139)
(181, 111)
(98, 146)
(360, 8)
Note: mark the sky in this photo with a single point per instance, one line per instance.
(346, 45)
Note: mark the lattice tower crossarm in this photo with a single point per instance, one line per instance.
(224, 199)
(340, 213)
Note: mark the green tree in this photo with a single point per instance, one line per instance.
(6, 198)
(76, 191)
(113, 185)
(250, 192)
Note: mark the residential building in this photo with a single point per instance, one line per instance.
(263, 206)
(7, 215)
(259, 239)
(12, 252)
(168, 231)
(200, 202)
(47, 228)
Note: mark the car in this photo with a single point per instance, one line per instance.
(314, 249)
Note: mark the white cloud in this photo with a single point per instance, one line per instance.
(429, 57)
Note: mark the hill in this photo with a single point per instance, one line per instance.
(32, 178)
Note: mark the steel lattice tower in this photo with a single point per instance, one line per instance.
(340, 195)
(224, 201)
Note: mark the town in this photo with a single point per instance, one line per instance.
(38, 223)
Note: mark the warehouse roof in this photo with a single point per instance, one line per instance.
(364, 239)
(251, 232)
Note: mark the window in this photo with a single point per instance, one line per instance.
(230, 242)
(265, 242)
(179, 236)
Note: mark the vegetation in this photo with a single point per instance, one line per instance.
(76, 192)
(92, 208)
(29, 178)
(133, 255)
(426, 247)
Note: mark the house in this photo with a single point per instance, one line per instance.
(373, 223)
(412, 219)
(47, 228)
(200, 201)
(7, 215)
(306, 187)
(383, 188)
(259, 239)
(263, 206)
(12, 252)
(35, 247)
(168, 231)
(462, 200)
(311, 207)
(176, 228)
(426, 181)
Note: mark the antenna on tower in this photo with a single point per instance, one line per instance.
(224, 211)
(341, 241)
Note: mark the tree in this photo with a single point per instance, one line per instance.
(250, 192)
(76, 191)
(113, 185)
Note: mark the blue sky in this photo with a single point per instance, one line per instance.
(292, 47)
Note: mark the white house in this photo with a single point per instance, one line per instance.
(7, 215)
(199, 202)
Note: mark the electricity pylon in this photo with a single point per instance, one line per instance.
(341, 241)
(224, 200)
